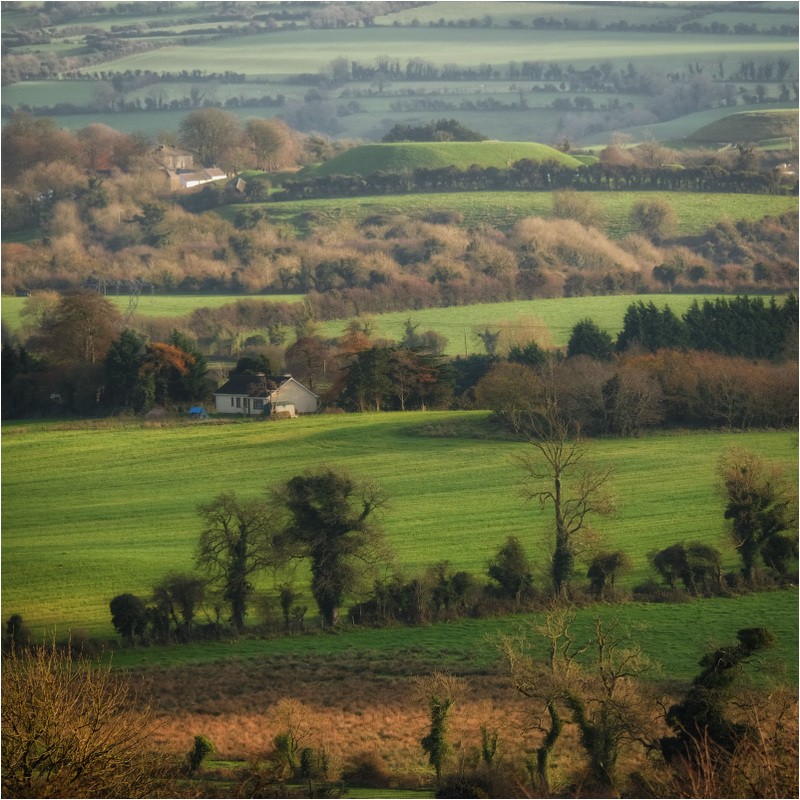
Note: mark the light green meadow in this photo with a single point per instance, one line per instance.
(94, 510)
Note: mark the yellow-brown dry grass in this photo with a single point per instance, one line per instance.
(357, 706)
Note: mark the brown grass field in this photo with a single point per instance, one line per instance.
(356, 707)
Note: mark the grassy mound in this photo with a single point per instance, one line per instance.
(750, 126)
(408, 156)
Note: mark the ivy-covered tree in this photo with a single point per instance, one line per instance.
(236, 542)
(701, 716)
(332, 523)
(760, 509)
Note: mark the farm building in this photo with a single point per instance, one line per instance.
(188, 180)
(262, 394)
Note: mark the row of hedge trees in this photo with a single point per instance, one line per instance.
(528, 175)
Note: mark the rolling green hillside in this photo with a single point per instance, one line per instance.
(91, 510)
(752, 126)
(408, 156)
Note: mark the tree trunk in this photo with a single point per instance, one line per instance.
(543, 752)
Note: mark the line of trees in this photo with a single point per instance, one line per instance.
(528, 175)
(324, 518)
(330, 521)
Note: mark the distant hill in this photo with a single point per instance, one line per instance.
(750, 126)
(408, 156)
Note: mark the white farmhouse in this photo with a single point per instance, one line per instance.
(261, 394)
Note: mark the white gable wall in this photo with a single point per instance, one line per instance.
(304, 400)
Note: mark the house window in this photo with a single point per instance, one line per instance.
(258, 405)
(238, 402)
(233, 402)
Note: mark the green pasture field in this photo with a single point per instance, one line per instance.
(153, 305)
(750, 126)
(675, 130)
(408, 156)
(550, 320)
(604, 13)
(673, 635)
(696, 213)
(48, 93)
(546, 320)
(92, 510)
(12, 20)
(283, 53)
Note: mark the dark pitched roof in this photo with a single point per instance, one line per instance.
(251, 385)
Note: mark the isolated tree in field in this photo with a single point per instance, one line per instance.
(556, 473)
(129, 616)
(604, 570)
(71, 729)
(594, 682)
(209, 132)
(332, 523)
(761, 511)
(179, 595)
(696, 565)
(236, 542)
(512, 571)
(201, 750)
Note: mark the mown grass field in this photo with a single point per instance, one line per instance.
(549, 321)
(94, 510)
(152, 305)
(303, 50)
(696, 212)
(408, 156)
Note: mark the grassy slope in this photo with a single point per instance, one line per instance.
(695, 212)
(92, 512)
(409, 156)
(676, 129)
(751, 126)
(557, 316)
(153, 305)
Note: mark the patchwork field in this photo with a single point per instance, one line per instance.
(91, 510)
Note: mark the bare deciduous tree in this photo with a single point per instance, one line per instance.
(556, 473)
(237, 541)
(595, 682)
(70, 729)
